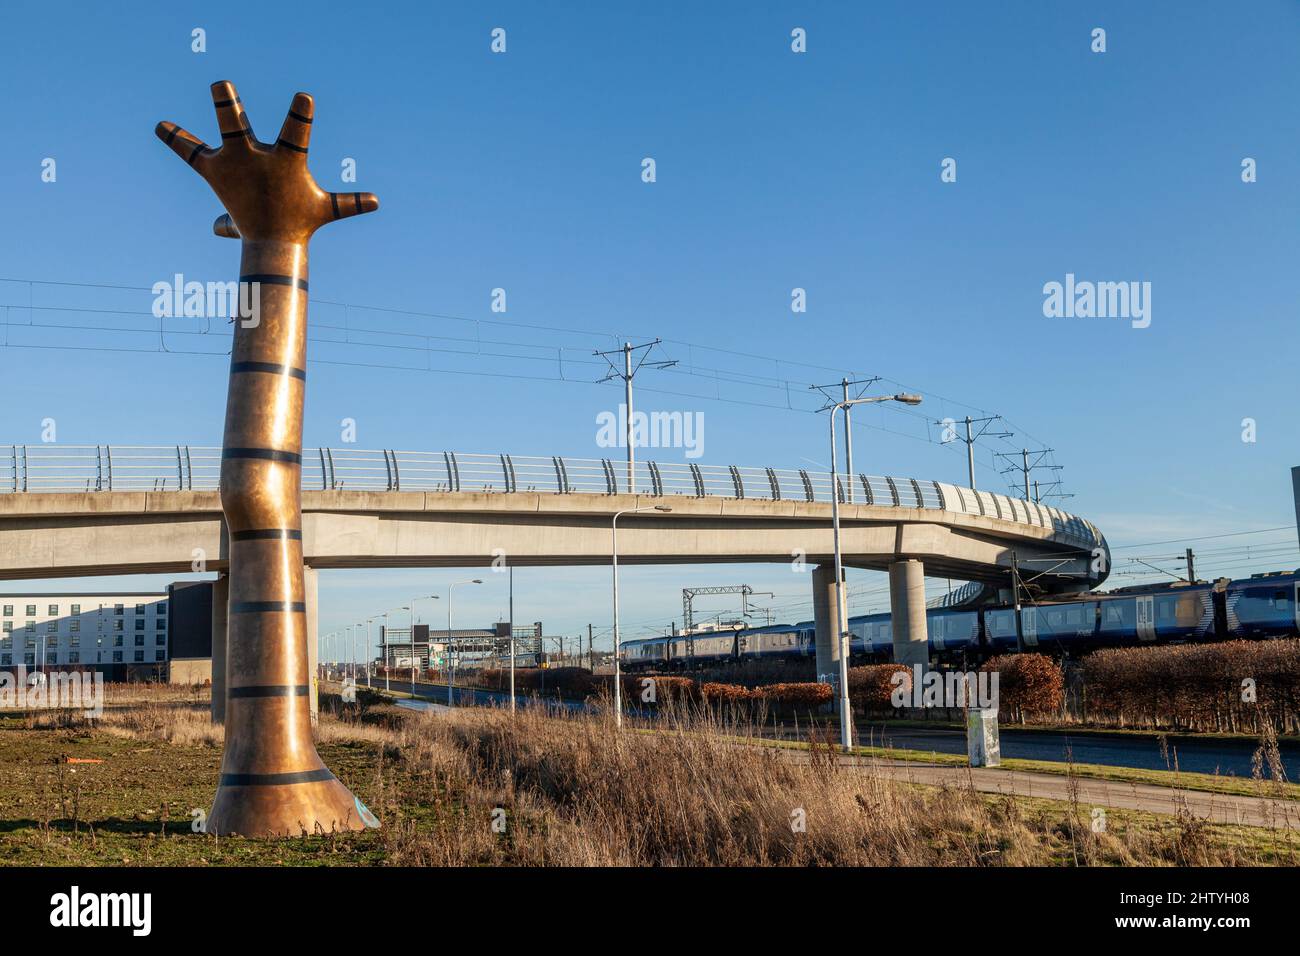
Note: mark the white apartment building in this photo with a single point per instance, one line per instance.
(128, 629)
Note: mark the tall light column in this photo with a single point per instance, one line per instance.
(846, 713)
(618, 673)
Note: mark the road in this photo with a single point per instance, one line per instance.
(1217, 807)
(1194, 755)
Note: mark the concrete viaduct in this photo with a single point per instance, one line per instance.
(77, 511)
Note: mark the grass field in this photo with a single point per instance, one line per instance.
(570, 790)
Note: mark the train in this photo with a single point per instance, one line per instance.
(1259, 607)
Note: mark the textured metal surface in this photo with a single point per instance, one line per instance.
(272, 780)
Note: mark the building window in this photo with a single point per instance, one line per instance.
(75, 640)
(117, 626)
(139, 624)
(139, 640)
(51, 657)
(139, 609)
(76, 609)
(51, 627)
(118, 609)
(160, 625)
(31, 610)
(7, 627)
(160, 655)
(54, 610)
(6, 660)
(160, 638)
(29, 658)
(74, 625)
(139, 657)
(31, 626)
(9, 610)
(117, 657)
(162, 608)
(74, 657)
(117, 640)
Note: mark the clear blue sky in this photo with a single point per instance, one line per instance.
(775, 170)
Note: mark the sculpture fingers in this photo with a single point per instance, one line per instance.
(295, 134)
(231, 117)
(184, 144)
(225, 227)
(353, 204)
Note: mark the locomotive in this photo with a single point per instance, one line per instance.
(1261, 606)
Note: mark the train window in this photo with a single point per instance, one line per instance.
(1280, 599)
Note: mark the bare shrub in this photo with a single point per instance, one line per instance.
(1197, 687)
(1029, 686)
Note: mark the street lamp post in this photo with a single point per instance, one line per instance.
(451, 676)
(369, 647)
(841, 609)
(618, 674)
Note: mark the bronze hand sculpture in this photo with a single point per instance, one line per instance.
(272, 780)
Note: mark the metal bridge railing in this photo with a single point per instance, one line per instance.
(73, 468)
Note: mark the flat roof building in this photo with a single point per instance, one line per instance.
(128, 635)
(63, 629)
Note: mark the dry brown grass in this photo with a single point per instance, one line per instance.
(694, 789)
(577, 793)
(175, 722)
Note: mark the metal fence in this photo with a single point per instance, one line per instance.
(82, 468)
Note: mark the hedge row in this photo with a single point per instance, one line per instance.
(1233, 686)
(781, 695)
(1236, 686)
(1028, 686)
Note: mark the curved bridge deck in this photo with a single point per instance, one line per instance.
(113, 510)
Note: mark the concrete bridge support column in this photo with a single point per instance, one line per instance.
(907, 606)
(220, 617)
(311, 592)
(826, 615)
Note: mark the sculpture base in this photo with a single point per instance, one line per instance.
(290, 809)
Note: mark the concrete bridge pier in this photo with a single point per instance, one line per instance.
(220, 619)
(826, 615)
(310, 587)
(907, 608)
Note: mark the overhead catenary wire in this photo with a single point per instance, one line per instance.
(563, 356)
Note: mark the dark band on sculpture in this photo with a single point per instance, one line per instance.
(275, 779)
(268, 607)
